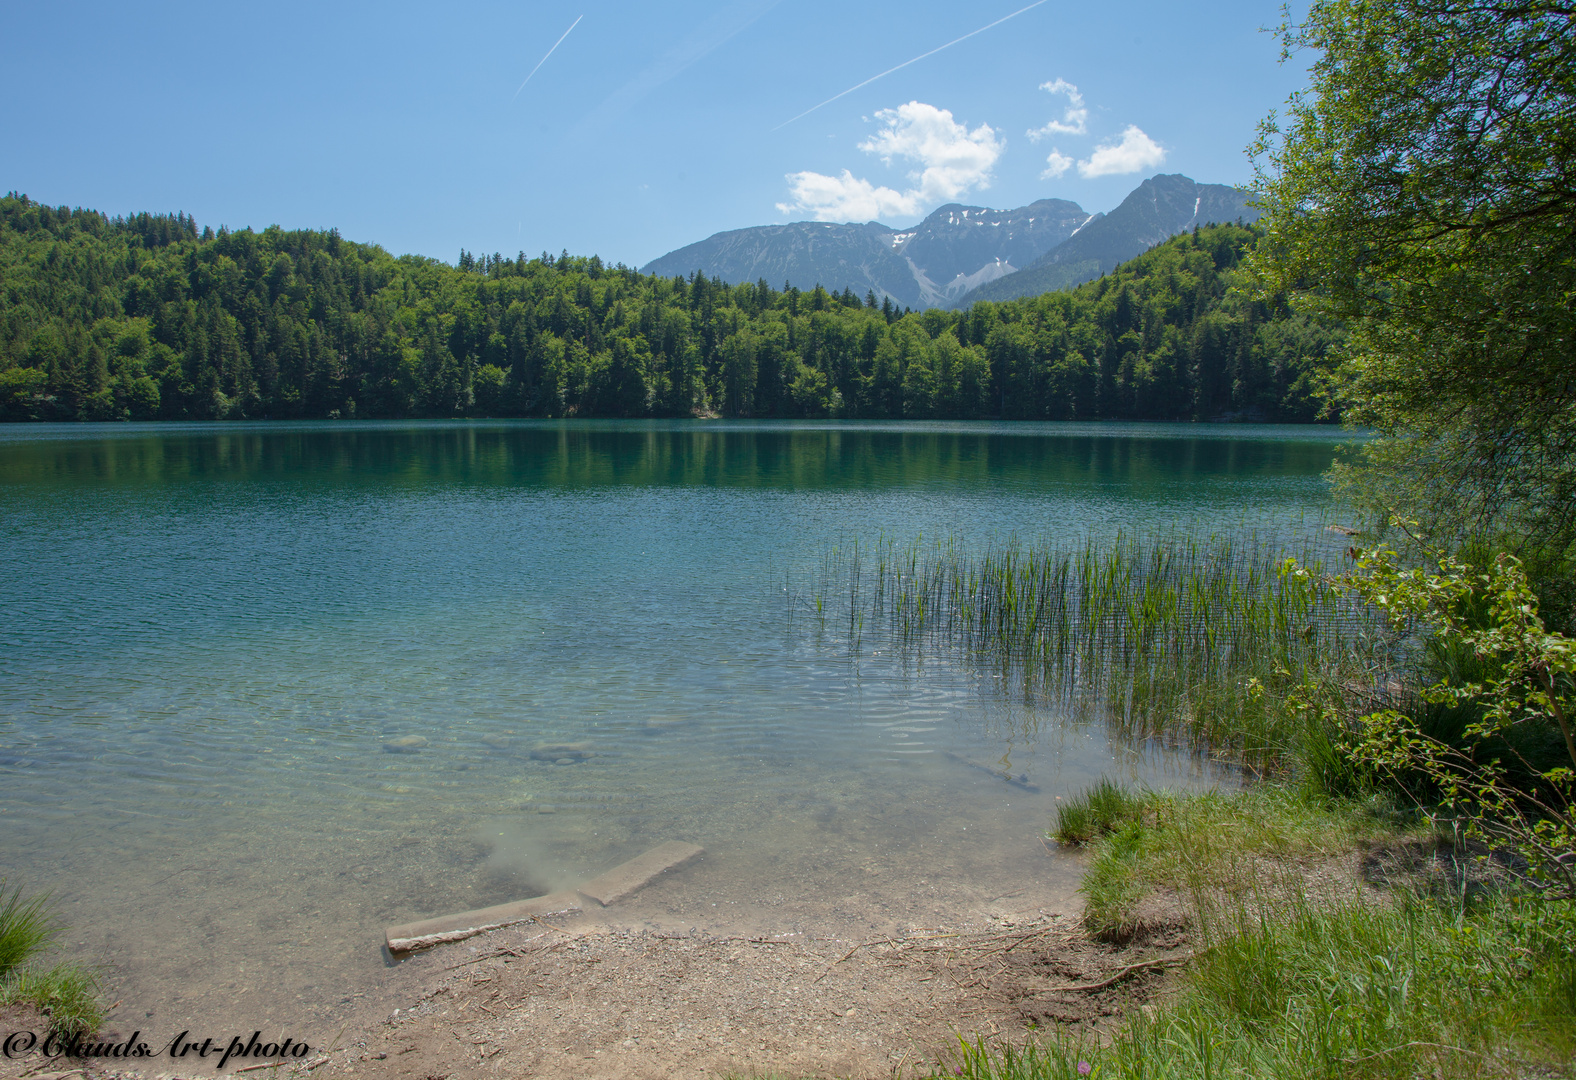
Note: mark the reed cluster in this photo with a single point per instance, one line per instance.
(1171, 636)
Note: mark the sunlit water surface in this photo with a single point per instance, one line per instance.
(210, 636)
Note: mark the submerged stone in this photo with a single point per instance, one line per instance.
(557, 752)
(405, 744)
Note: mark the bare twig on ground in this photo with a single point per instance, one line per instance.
(1121, 973)
(846, 955)
(502, 950)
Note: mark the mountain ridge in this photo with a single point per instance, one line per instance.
(960, 254)
(954, 249)
(1158, 209)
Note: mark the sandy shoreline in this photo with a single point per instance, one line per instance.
(590, 999)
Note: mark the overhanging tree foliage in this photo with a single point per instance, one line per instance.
(1422, 189)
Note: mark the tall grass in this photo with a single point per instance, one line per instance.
(1293, 978)
(1171, 636)
(1217, 644)
(1337, 990)
(26, 929)
(1211, 846)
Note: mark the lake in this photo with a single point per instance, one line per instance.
(214, 637)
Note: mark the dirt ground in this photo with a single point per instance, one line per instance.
(624, 1006)
(558, 1000)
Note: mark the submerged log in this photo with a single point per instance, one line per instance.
(428, 932)
(614, 885)
(1019, 781)
(637, 873)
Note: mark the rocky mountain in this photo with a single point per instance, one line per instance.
(960, 254)
(1157, 210)
(956, 249)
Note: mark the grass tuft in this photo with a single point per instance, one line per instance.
(26, 929)
(1092, 814)
(1353, 989)
(68, 993)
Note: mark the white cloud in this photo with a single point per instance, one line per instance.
(1133, 153)
(845, 198)
(1056, 165)
(952, 161)
(955, 158)
(1075, 121)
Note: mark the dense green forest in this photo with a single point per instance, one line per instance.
(147, 317)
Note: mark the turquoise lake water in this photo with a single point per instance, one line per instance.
(212, 635)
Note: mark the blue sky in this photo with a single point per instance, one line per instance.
(650, 126)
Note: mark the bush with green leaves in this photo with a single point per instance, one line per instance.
(1522, 677)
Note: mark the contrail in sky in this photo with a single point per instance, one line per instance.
(559, 42)
(905, 63)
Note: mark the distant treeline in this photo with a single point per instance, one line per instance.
(149, 318)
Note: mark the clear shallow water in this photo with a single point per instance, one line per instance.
(210, 635)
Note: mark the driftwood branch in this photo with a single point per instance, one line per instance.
(1121, 973)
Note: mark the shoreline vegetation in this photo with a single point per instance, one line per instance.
(148, 318)
(1348, 912)
(1327, 937)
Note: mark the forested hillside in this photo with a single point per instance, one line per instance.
(148, 318)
